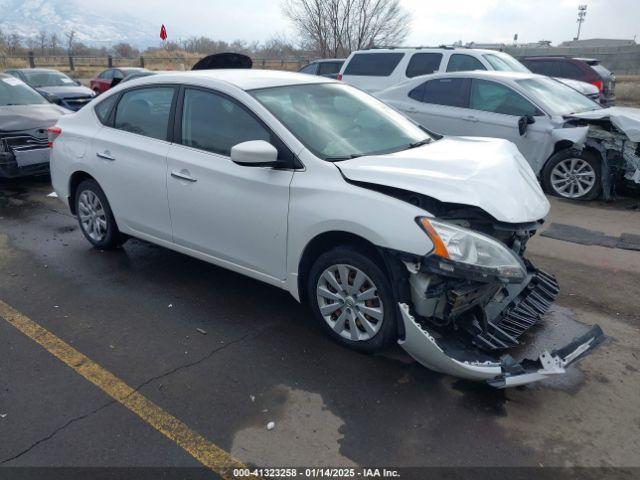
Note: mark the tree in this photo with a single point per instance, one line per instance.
(14, 42)
(334, 28)
(42, 40)
(54, 42)
(125, 50)
(70, 40)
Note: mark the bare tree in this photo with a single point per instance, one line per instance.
(125, 50)
(70, 40)
(42, 39)
(336, 27)
(13, 42)
(54, 42)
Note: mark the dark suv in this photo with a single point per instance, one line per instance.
(584, 69)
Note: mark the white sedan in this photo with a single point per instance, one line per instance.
(320, 189)
(577, 148)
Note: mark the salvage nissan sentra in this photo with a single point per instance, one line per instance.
(389, 233)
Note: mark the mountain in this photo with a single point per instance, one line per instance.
(28, 17)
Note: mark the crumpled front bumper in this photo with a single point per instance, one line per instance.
(424, 347)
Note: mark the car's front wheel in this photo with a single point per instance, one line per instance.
(352, 298)
(95, 216)
(573, 175)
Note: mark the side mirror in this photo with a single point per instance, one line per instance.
(524, 122)
(255, 153)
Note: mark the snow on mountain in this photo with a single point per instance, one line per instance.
(29, 17)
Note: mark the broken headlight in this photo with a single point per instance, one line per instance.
(471, 249)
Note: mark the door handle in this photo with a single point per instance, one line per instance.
(470, 118)
(106, 155)
(182, 175)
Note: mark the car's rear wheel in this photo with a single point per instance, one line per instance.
(95, 216)
(573, 175)
(352, 299)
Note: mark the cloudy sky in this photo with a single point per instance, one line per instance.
(434, 21)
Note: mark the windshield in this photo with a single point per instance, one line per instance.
(47, 79)
(16, 92)
(558, 98)
(503, 62)
(337, 122)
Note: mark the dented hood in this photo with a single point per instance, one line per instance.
(483, 172)
(625, 119)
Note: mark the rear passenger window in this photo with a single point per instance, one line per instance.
(463, 63)
(215, 123)
(493, 97)
(423, 64)
(145, 111)
(373, 64)
(103, 108)
(543, 67)
(446, 91)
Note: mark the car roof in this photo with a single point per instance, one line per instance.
(37, 70)
(425, 49)
(486, 74)
(325, 60)
(245, 79)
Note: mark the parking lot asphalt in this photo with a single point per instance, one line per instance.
(225, 355)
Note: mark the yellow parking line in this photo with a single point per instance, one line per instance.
(206, 452)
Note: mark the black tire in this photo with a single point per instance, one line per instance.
(112, 237)
(564, 155)
(387, 332)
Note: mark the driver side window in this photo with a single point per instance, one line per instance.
(215, 123)
(494, 97)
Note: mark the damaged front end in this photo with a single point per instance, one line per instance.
(614, 133)
(24, 153)
(462, 317)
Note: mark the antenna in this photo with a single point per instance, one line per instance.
(582, 12)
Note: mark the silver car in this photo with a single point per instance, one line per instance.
(577, 148)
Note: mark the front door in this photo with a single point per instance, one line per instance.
(235, 215)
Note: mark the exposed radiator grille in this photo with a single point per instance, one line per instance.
(520, 315)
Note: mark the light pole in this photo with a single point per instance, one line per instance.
(582, 12)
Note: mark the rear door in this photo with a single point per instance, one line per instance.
(372, 71)
(440, 105)
(233, 215)
(129, 157)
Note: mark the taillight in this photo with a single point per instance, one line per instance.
(599, 84)
(339, 77)
(52, 134)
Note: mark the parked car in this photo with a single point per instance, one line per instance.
(111, 77)
(55, 86)
(373, 70)
(318, 188)
(587, 70)
(538, 114)
(325, 67)
(24, 118)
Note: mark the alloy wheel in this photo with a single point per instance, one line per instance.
(349, 302)
(93, 218)
(573, 178)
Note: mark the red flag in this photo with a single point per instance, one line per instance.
(163, 33)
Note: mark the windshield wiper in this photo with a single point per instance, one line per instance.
(345, 157)
(419, 144)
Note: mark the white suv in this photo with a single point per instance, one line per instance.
(315, 187)
(375, 69)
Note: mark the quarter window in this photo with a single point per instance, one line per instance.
(423, 64)
(104, 108)
(463, 63)
(445, 91)
(373, 64)
(145, 111)
(310, 69)
(215, 123)
(497, 98)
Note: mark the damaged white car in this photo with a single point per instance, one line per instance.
(578, 149)
(390, 234)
